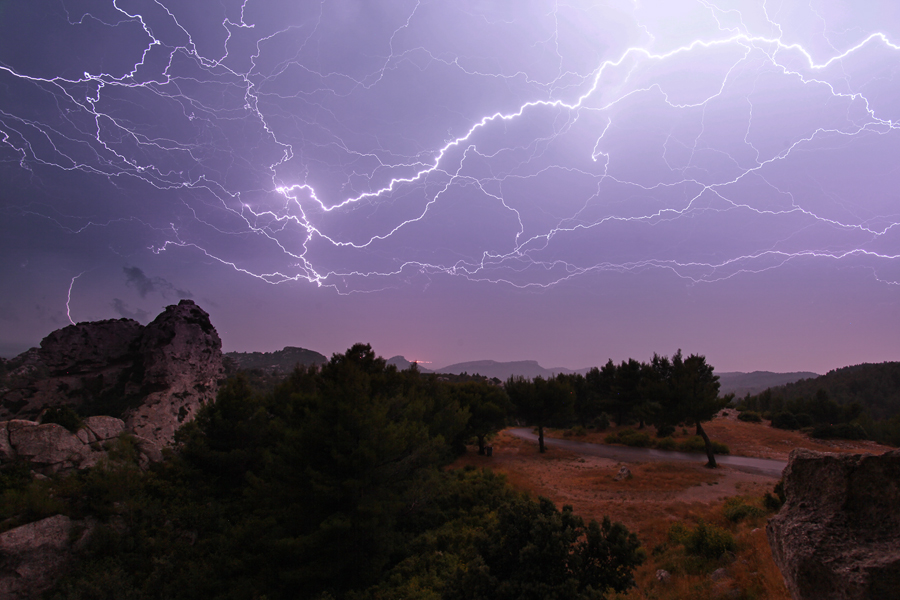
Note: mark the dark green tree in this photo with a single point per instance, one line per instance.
(541, 401)
(694, 396)
(488, 406)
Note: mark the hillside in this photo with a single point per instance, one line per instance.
(876, 387)
(504, 370)
(753, 383)
(281, 360)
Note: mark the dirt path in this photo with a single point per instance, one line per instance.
(761, 466)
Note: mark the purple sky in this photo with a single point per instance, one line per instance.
(560, 181)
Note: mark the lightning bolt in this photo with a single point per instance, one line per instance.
(69, 297)
(249, 142)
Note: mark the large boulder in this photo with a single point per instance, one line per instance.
(838, 534)
(34, 556)
(51, 448)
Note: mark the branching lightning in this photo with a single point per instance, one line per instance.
(251, 141)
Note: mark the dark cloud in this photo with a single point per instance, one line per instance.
(144, 285)
(122, 309)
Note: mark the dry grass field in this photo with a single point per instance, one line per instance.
(660, 494)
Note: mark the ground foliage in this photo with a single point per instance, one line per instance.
(329, 486)
(856, 402)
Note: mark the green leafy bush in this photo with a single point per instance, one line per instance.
(736, 509)
(785, 420)
(601, 423)
(577, 431)
(750, 416)
(630, 437)
(666, 443)
(841, 431)
(665, 430)
(707, 541)
(695, 444)
(63, 415)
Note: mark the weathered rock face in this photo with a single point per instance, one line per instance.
(33, 556)
(51, 448)
(182, 357)
(838, 534)
(155, 377)
(89, 347)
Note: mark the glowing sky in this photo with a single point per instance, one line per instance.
(560, 181)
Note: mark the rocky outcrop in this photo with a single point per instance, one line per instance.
(838, 534)
(154, 378)
(89, 347)
(181, 354)
(51, 448)
(34, 556)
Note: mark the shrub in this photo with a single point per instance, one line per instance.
(666, 443)
(736, 509)
(601, 423)
(578, 430)
(630, 437)
(841, 431)
(695, 444)
(63, 415)
(704, 540)
(803, 420)
(709, 541)
(750, 416)
(665, 430)
(785, 420)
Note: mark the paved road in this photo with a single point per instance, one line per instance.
(763, 466)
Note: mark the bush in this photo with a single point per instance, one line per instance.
(665, 430)
(601, 423)
(666, 443)
(630, 437)
(803, 420)
(785, 420)
(841, 431)
(63, 415)
(578, 431)
(750, 416)
(736, 509)
(704, 540)
(695, 444)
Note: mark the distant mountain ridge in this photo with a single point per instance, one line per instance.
(741, 384)
(284, 360)
(504, 370)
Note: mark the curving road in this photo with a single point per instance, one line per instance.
(762, 466)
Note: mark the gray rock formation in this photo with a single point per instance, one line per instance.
(34, 556)
(51, 448)
(182, 358)
(154, 378)
(838, 534)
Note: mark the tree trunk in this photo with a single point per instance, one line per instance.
(481, 445)
(541, 438)
(709, 449)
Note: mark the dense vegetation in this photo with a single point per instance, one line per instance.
(663, 392)
(331, 485)
(858, 402)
